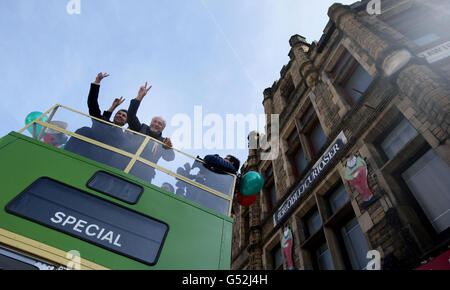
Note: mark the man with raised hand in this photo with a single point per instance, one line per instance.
(102, 132)
(153, 151)
(120, 118)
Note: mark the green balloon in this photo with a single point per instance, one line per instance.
(252, 183)
(31, 117)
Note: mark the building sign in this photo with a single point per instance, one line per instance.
(91, 219)
(314, 174)
(436, 53)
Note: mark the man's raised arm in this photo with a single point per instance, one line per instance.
(133, 121)
(94, 108)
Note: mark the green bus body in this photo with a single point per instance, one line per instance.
(198, 237)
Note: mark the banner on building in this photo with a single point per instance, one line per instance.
(313, 174)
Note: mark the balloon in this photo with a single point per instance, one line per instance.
(245, 200)
(251, 183)
(30, 118)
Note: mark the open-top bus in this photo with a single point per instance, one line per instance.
(85, 201)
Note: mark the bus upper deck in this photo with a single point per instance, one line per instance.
(126, 202)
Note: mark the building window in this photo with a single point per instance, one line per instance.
(355, 244)
(342, 62)
(351, 77)
(313, 222)
(324, 260)
(398, 137)
(420, 172)
(428, 180)
(312, 132)
(299, 162)
(293, 138)
(277, 258)
(296, 154)
(338, 198)
(356, 83)
(269, 189)
(309, 113)
(419, 25)
(271, 197)
(316, 138)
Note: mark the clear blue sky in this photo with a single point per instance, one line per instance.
(218, 54)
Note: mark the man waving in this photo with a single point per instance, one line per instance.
(153, 151)
(120, 118)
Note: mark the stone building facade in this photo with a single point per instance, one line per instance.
(375, 88)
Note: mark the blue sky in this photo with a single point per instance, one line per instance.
(218, 54)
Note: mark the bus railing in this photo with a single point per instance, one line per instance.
(134, 153)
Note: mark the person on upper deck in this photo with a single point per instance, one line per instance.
(212, 173)
(214, 176)
(229, 163)
(154, 150)
(102, 132)
(120, 118)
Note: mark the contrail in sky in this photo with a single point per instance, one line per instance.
(230, 46)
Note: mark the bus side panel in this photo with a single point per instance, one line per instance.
(197, 237)
(225, 257)
(6, 140)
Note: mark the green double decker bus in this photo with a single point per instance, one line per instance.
(73, 196)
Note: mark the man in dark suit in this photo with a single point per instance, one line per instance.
(102, 132)
(154, 150)
(120, 118)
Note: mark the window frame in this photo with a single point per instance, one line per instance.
(270, 196)
(343, 246)
(273, 253)
(297, 172)
(317, 255)
(407, 17)
(386, 132)
(307, 217)
(413, 202)
(315, 124)
(343, 71)
(391, 170)
(295, 146)
(267, 189)
(328, 195)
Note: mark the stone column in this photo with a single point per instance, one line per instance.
(254, 247)
(347, 21)
(427, 98)
(299, 53)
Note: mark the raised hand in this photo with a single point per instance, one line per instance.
(142, 92)
(101, 76)
(117, 102)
